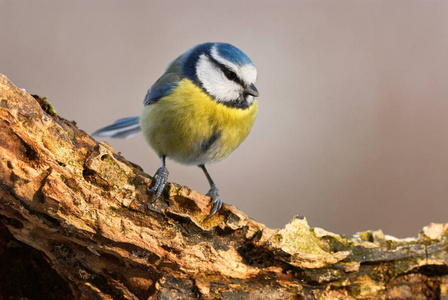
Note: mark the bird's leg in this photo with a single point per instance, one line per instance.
(161, 178)
(213, 193)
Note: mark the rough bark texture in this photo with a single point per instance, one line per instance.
(77, 222)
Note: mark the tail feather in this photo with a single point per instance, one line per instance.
(121, 129)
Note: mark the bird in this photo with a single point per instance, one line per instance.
(198, 112)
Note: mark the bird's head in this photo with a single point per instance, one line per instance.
(223, 71)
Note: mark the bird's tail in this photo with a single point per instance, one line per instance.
(121, 129)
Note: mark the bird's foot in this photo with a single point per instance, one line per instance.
(216, 201)
(160, 180)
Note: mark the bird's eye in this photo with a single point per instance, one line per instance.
(230, 75)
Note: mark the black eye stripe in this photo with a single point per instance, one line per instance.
(226, 71)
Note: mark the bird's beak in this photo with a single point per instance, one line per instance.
(252, 90)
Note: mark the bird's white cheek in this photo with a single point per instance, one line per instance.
(215, 82)
(225, 90)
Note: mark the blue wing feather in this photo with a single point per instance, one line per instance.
(121, 129)
(154, 95)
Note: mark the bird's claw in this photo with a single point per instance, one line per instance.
(161, 179)
(216, 201)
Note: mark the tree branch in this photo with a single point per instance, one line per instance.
(82, 215)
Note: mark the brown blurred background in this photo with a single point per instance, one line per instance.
(352, 130)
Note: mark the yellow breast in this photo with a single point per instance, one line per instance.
(190, 127)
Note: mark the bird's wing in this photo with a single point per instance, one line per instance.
(121, 129)
(129, 127)
(165, 84)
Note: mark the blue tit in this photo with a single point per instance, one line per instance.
(198, 112)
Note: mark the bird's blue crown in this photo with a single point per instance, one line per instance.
(233, 54)
(227, 51)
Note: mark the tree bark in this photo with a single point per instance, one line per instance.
(77, 222)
